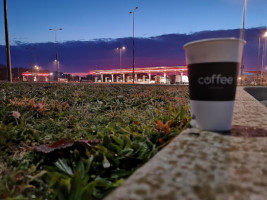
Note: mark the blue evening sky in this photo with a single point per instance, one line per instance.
(29, 20)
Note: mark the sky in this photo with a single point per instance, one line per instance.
(29, 20)
(163, 50)
(93, 29)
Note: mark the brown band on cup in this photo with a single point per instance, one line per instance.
(214, 81)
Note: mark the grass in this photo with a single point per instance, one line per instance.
(80, 141)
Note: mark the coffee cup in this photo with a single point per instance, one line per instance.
(213, 66)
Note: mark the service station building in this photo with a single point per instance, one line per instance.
(148, 75)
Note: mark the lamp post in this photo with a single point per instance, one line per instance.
(57, 64)
(37, 68)
(263, 57)
(35, 72)
(8, 57)
(132, 12)
(243, 37)
(258, 63)
(121, 49)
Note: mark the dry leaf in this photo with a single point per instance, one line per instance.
(160, 124)
(170, 124)
(161, 141)
(63, 144)
(136, 122)
(40, 174)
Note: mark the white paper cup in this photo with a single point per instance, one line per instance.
(212, 70)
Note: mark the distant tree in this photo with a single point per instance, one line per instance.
(16, 72)
(3, 72)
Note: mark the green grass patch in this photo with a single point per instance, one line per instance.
(80, 141)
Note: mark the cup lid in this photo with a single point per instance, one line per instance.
(212, 40)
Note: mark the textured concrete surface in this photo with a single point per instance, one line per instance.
(204, 165)
(248, 111)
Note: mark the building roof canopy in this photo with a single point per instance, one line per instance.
(141, 70)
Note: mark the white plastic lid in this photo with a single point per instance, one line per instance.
(214, 50)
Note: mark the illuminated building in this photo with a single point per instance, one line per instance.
(36, 76)
(147, 75)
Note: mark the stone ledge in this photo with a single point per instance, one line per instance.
(204, 165)
(248, 111)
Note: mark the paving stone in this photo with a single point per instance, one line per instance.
(202, 165)
(248, 111)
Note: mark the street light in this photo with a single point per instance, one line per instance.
(121, 49)
(57, 64)
(263, 56)
(243, 37)
(36, 67)
(258, 63)
(35, 72)
(8, 57)
(132, 12)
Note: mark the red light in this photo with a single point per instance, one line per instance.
(37, 74)
(43, 74)
(26, 74)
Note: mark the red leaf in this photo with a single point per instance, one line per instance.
(161, 141)
(170, 124)
(136, 122)
(167, 129)
(94, 141)
(184, 121)
(160, 124)
(19, 177)
(61, 144)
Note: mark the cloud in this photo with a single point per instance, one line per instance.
(82, 56)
